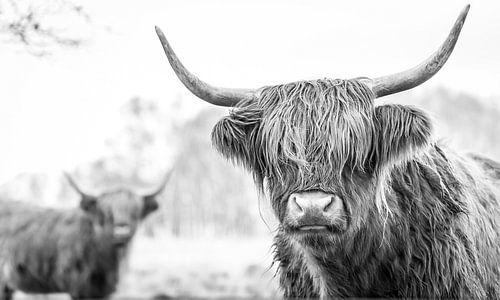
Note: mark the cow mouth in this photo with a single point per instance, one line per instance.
(313, 228)
(315, 225)
(121, 241)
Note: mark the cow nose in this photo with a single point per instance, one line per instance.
(317, 201)
(122, 230)
(315, 211)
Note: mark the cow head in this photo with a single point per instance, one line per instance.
(321, 149)
(119, 212)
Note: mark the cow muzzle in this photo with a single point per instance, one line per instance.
(316, 212)
(122, 233)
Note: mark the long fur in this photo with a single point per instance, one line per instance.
(423, 220)
(72, 251)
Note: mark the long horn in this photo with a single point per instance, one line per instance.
(408, 79)
(161, 187)
(73, 184)
(211, 94)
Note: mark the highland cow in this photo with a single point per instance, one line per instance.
(75, 251)
(369, 203)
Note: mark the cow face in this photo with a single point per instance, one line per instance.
(119, 212)
(321, 150)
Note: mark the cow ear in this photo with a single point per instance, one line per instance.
(231, 135)
(402, 132)
(88, 203)
(150, 202)
(150, 205)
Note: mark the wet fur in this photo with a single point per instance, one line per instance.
(72, 251)
(423, 220)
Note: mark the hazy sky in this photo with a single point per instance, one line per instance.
(56, 112)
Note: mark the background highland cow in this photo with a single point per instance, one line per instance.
(75, 251)
(108, 109)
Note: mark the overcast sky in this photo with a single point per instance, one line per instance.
(56, 112)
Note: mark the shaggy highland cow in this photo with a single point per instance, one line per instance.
(75, 251)
(370, 204)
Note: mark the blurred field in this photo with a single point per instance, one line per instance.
(195, 268)
(207, 267)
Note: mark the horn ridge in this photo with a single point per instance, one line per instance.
(214, 95)
(75, 186)
(161, 186)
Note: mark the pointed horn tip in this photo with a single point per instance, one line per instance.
(159, 32)
(465, 11)
(67, 175)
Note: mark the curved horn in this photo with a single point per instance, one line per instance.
(160, 189)
(408, 79)
(73, 184)
(211, 94)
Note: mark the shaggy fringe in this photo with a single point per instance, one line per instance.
(301, 126)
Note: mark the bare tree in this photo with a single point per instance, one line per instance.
(40, 25)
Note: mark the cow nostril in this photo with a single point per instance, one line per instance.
(296, 203)
(312, 202)
(328, 203)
